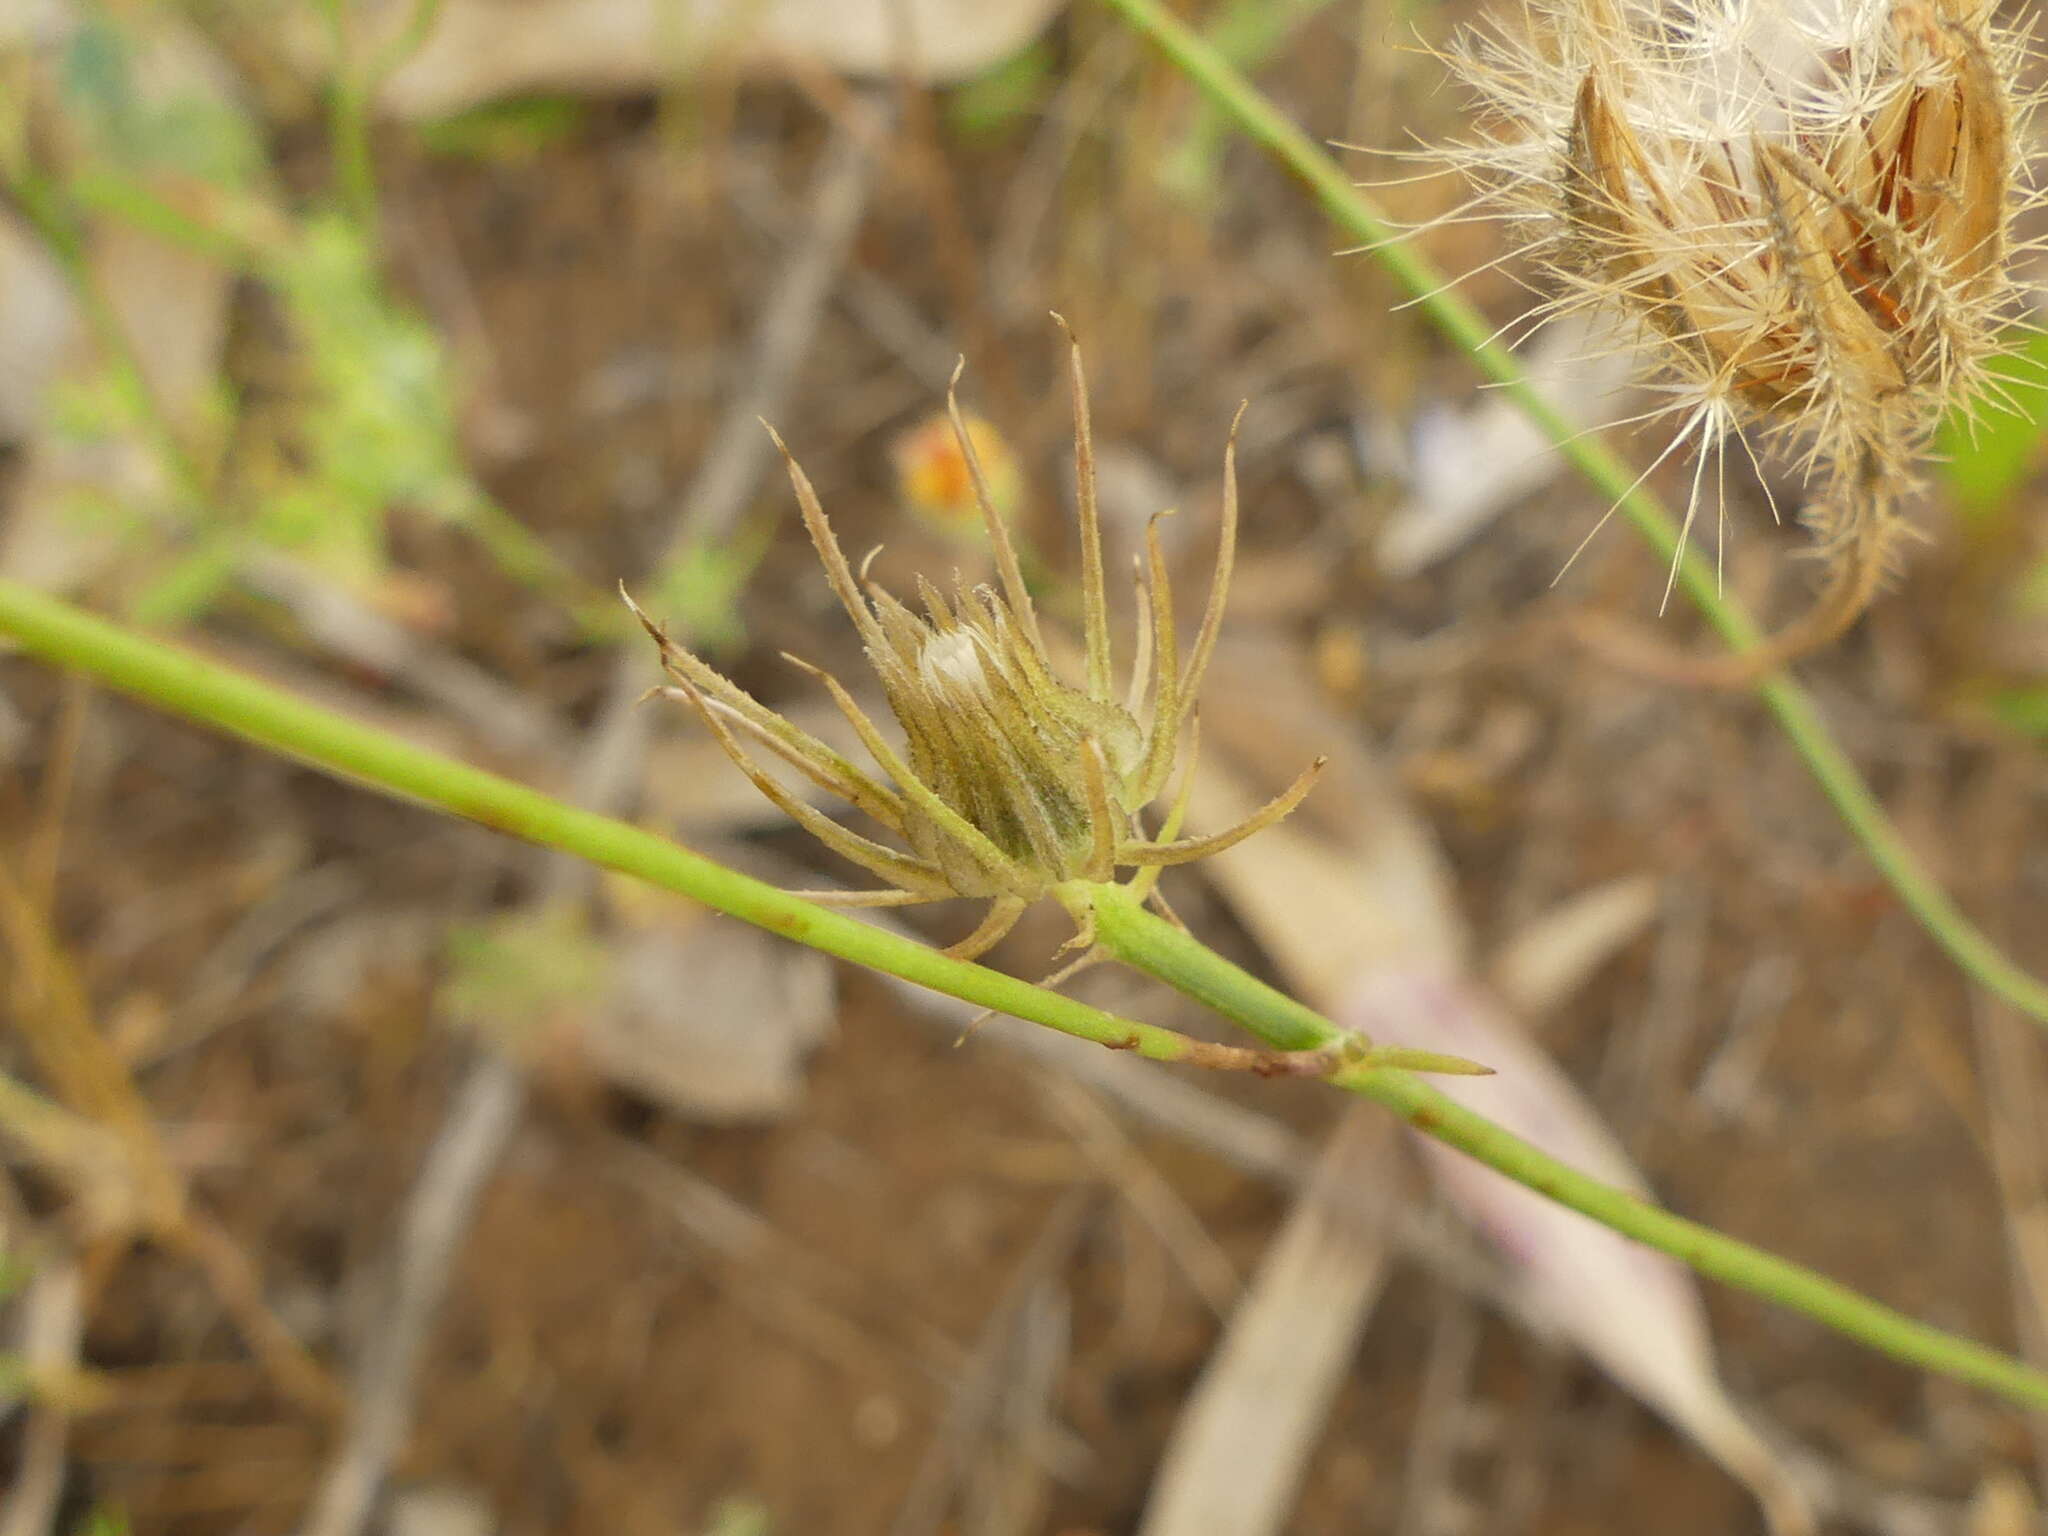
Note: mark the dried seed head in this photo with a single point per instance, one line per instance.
(1018, 752)
(1803, 204)
(1013, 781)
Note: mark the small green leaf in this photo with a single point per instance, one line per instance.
(14, 1274)
(1991, 451)
(1401, 1058)
(104, 1520)
(505, 132)
(509, 975)
(2023, 709)
(376, 423)
(191, 130)
(97, 78)
(698, 593)
(991, 105)
(188, 586)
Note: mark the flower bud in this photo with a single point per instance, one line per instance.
(1013, 782)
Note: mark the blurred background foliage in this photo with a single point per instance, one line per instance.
(370, 346)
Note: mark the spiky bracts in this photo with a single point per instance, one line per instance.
(1013, 781)
(1803, 205)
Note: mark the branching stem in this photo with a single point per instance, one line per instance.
(215, 696)
(1354, 212)
(1157, 947)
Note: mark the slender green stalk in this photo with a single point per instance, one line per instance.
(348, 122)
(44, 204)
(1354, 212)
(213, 695)
(352, 91)
(403, 44)
(186, 684)
(1247, 32)
(1149, 943)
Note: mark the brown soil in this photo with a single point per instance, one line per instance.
(612, 1362)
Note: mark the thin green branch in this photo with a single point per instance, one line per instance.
(348, 122)
(352, 92)
(1354, 212)
(1141, 939)
(187, 685)
(44, 204)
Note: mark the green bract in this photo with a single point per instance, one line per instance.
(1013, 781)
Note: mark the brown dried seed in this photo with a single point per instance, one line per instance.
(1850, 345)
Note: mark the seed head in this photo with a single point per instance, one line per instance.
(1013, 781)
(1803, 205)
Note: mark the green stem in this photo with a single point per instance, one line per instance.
(45, 206)
(348, 124)
(188, 685)
(353, 92)
(213, 695)
(1351, 210)
(1149, 943)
